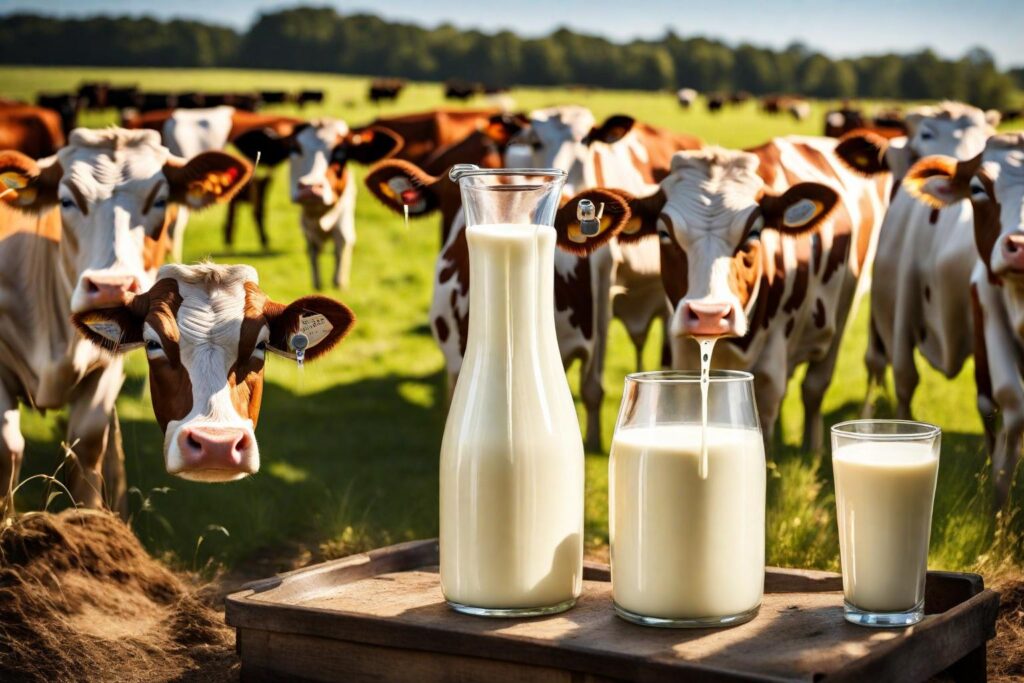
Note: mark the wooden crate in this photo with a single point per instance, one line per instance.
(381, 617)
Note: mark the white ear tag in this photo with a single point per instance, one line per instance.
(316, 327)
(801, 213)
(107, 329)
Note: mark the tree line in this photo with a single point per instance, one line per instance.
(321, 39)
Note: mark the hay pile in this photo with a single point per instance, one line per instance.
(1006, 650)
(81, 600)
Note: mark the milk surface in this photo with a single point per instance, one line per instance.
(512, 456)
(683, 546)
(884, 497)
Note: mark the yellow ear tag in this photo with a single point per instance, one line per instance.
(13, 180)
(800, 214)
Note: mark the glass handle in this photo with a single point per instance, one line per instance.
(459, 170)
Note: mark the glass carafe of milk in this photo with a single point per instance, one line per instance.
(512, 465)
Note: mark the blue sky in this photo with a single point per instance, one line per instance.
(837, 27)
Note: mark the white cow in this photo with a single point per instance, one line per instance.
(925, 255)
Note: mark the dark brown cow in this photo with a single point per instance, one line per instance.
(383, 89)
(34, 131)
(425, 133)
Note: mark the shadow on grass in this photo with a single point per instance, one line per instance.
(354, 463)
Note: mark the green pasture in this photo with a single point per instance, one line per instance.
(350, 444)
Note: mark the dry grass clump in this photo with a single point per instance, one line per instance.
(80, 599)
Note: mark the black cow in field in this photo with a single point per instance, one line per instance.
(122, 97)
(739, 97)
(155, 101)
(273, 96)
(245, 101)
(715, 102)
(306, 96)
(65, 104)
(383, 89)
(93, 95)
(191, 100)
(461, 90)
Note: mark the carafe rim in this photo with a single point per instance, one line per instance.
(462, 171)
(689, 376)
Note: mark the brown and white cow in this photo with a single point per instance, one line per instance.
(187, 132)
(319, 153)
(921, 279)
(206, 329)
(993, 183)
(627, 155)
(79, 231)
(424, 133)
(764, 248)
(399, 184)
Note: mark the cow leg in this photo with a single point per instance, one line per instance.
(592, 393)
(770, 387)
(229, 223)
(344, 236)
(876, 364)
(905, 377)
(89, 420)
(178, 234)
(113, 469)
(259, 208)
(12, 450)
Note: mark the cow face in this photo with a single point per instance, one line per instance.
(950, 129)
(206, 330)
(115, 190)
(554, 139)
(708, 214)
(994, 184)
(320, 151)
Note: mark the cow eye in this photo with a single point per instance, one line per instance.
(66, 203)
(978, 190)
(754, 233)
(663, 234)
(926, 135)
(160, 203)
(259, 352)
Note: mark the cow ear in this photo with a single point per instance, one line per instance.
(372, 144)
(272, 144)
(612, 130)
(117, 329)
(613, 210)
(864, 152)
(503, 127)
(801, 209)
(940, 181)
(399, 184)
(27, 184)
(322, 321)
(206, 178)
(643, 218)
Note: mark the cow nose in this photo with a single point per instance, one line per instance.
(216, 448)
(708, 319)
(1013, 251)
(108, 290)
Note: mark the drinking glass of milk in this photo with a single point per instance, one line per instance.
(687, 499)
(885, 474)
(512, 462)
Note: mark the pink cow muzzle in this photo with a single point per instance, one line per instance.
(709, 319)
(213, 453)
(1012, 248)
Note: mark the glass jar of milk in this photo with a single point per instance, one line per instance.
(687, 500)
(512, 465)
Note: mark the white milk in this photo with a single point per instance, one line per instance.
(884, 496)
(684, 546)
(512, 455)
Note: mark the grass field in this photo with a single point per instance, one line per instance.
(350, 444)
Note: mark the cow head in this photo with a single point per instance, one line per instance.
(554, 139)
(949, 129)
(206, 330)
(116, 190)
(709, 214)
(400, 185)
(994, 184)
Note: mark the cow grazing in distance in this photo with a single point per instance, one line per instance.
(715, 102)
(763, 248)
(461, 90)
(65, 104)
(686, 97)
(207, 329)
(83, 230)
(739, 97)
(123, 97)
(273, 97)
(383, 89)
(921, 278)
(993, 184)
(322, 185)
(305, 97)
(34, 131)
(630, 156)
(400, 184)
(93, 95)
(840, 122)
